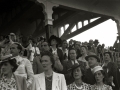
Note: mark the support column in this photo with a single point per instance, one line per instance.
(118, 25)
(49, 31)
(47, 10)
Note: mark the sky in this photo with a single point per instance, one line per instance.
(105, 32)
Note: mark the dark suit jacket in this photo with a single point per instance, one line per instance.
(118, 74)
(89, 77)
(66, 66)
(60, 54)
(112, 71)
(37, 66)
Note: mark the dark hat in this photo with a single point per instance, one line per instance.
(92, 55)
(96, 41)
(11, 60)
(42, 38)
(56, 38)
(76, 65)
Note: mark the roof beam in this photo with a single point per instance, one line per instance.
(90, 25)
(68, 29)
(64, 19)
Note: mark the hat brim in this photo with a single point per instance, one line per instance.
(92, 56)
(56, 38)
(73, 68)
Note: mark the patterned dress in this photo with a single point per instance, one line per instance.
(8, 85)
(104, 87)
(84, 86)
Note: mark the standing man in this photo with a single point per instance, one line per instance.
(25, 68)
(93, 61)
(111, 70)
(68, 65)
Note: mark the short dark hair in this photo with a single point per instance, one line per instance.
(48, 53)
(19, 46)
(64, 41)
(12, 62)
(71, 49)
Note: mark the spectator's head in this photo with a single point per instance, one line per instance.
(35, 44)
(96, 42)
(103, 45)
(92, 59)
(45, 46)
(16, 49)
(71, 42)
(90, 42)
(77, 45)
(64, 44)
(72, 54)
(77, 72)
(111, 48)
(84, 50)
(99, 49)
(42, 39)
(99, 74)
(107, 56)
(30, 41)
(13, 37)
(47, 60)
(8, 65)
(54, 41)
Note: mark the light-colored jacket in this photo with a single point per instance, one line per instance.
(24, 69)
(21, 83)
(58, 82)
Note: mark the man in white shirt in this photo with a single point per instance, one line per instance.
(34, 52)
(25, 68)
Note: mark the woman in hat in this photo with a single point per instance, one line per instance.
(9, 81)
(100, 78)
(78, 74)
(55, 42)
(48, 80)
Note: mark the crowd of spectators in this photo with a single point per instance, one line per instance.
(72, 65)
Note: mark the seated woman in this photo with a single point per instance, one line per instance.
(100, 79)
(9, 81)
(78, 74)
(48, 80)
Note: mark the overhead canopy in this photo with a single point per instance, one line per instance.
(105, 7)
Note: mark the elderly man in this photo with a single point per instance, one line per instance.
(68, 64)
(25, 68)
(93, 61)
